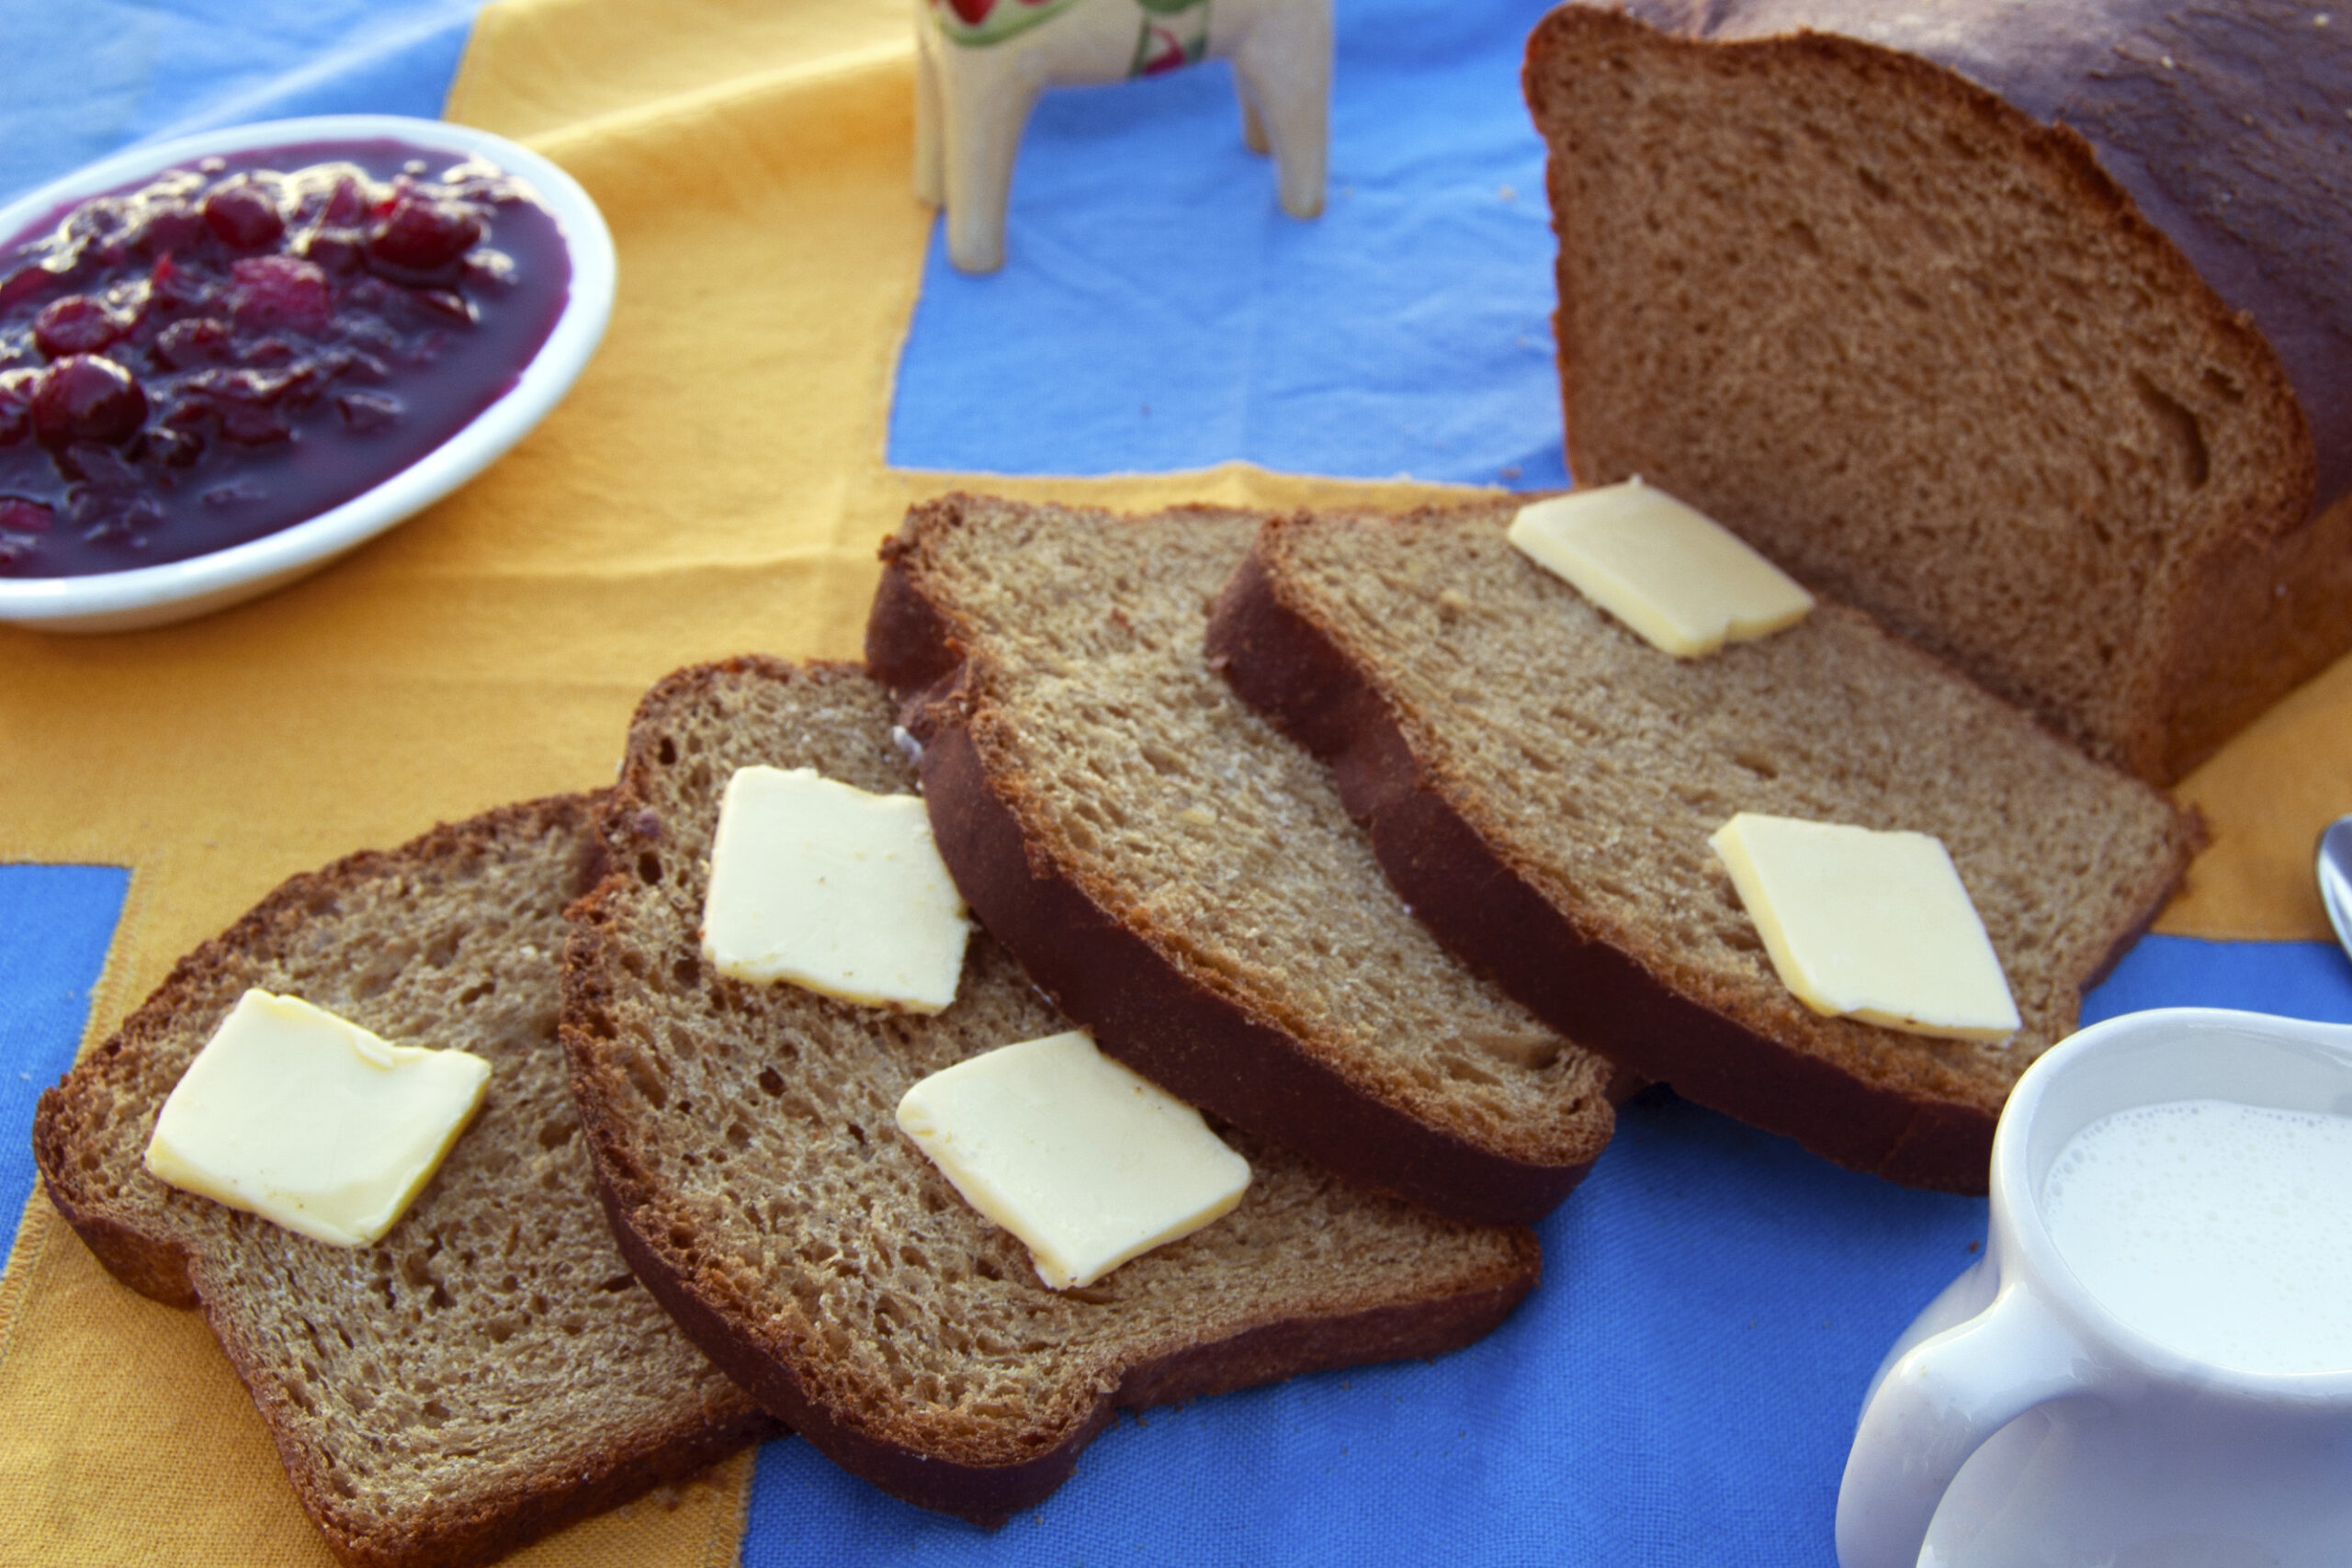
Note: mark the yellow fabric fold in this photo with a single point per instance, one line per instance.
(715, 484)
(2266, 796)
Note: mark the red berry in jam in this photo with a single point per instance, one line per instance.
(170, 226)
(973, 12)
(199, 340)
(267, 292)
(253, 425)
(337, 250)
(84, 397)
(16, 405)
(346, 206)
(19, 515)
(423, 235)
(244, 214)
(24, 283)
(173, 288)
(75, 324)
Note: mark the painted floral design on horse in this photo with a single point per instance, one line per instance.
(980, 65)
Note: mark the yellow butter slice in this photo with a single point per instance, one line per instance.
(833, 889)
(1680, 581)
(1087, 1163)
(1868, 925)
(305, 1119)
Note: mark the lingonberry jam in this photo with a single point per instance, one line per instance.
(229, 349)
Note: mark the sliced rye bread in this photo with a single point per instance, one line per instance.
(747, 1142)
(489, 1372)
(1185, 881)
(2024, 327)
(1540, 784)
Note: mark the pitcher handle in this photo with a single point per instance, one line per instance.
(1936, 1406)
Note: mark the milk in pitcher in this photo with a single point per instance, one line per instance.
(2221, 1231)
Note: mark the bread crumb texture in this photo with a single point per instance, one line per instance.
(749, 1134)
(1597, 768)
(475, 1377)
(1189, 818)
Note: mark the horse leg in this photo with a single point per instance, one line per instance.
(985, 96)
(1283, 65)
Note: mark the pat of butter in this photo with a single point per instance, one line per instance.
(294, 1114)
(1682, 581)
(1868, 925)
(1088, 1164)
(834, 889)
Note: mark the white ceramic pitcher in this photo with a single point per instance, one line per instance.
(2019, 1422)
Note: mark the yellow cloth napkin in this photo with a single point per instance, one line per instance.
(715, 484)
(2266, 796)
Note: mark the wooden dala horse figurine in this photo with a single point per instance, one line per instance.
(980, 65)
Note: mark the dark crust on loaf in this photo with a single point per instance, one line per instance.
(2257, 624)
(1282, 663)
(1201, 1043)
(2137, 137)
(160, 1266)
(779, 1366)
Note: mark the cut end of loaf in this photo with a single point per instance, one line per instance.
(1920, 350)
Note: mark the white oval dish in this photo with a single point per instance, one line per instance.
(175, 591)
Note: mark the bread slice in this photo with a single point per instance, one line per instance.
(2023, 327)
(489, 1372)
(747, 1141)
(1185, 881)
(1540, 784)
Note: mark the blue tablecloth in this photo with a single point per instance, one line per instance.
(1681, 1390)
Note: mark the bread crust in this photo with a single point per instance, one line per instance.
(779, 1357)
(1201, 1043)
(2197, 137)
(1487, 909)
(161, 1265)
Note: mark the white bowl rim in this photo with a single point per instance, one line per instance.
(318, 539)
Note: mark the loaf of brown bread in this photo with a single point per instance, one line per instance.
(490, 1371)
(1540, 784)
(1185, 881)
(747, 1141)
(2026, 327)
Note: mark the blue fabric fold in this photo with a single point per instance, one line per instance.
(88, 78)
(56, 923)
(1679, 1393)
(1158, 311)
